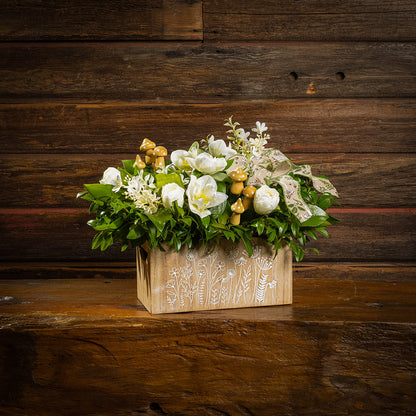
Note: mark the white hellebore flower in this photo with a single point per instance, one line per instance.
(266, 200)
(178, 158)
(202, 194)
(172, 192)
(218, 148)
(112, 176)
(206, 163)
(260, 127)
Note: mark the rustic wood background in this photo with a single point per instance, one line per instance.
(81, 83)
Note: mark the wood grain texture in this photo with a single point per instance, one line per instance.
(54, 180)
(205, 73)
(27, 20)
(92, 340)
(340, 125)
(312, 20)
(63, 235)
(380, 272)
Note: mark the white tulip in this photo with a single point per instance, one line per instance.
(266, 200)
(112, 176)
(178, 158)
(218, 148)
(206, 163)
(172, 192)
(202, 194)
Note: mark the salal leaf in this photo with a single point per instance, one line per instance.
(128, 166)
(319, 216)
(163, 179)
(160, 218)
(99, 190)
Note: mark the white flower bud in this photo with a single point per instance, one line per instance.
(112, 176)
(266, 200)
(172, 192)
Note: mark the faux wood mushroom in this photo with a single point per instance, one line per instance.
(147, 147)
(139, 162)
(160, 152)
(248, 192)
(238, 176)
(237, 208)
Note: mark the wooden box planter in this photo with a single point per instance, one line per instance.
(194, 279)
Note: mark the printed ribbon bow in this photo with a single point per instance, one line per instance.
(275, 167)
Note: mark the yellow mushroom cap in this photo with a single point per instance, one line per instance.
(238, 175)
(249, 191)
(237, 207)
(147, 145)
(160, 151)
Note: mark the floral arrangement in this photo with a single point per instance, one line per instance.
(210, 193)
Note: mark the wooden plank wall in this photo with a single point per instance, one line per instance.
(81, 83)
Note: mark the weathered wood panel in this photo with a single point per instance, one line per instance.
(311, 20)
(206, 73)
(380, 272)
(103, 20)
(369, 180)
(63, 235)
(71, 345)
(344, 125)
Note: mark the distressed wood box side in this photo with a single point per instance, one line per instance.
(226, 278)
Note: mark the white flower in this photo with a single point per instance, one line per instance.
(112, 177)
(218, 148)
(140, 189)
(178, 158)
(206, 163)
(172, 192)
(243, 135)
(257, 146)
(266, 200)
(260, 127)
(202, 194)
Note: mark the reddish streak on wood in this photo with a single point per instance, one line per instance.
(370, 210)
(38, 211)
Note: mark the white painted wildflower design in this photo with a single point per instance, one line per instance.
(207, 281)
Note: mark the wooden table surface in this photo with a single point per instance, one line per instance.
(88, 347)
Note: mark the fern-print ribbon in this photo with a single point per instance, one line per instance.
(274, 168)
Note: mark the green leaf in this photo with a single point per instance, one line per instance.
(163, 179)
(205, 221)
(99, 191)
(132, 235)
(312, 234)
(220, 177)
(128, 166)
(218, 210)
(160, 218)
(325, 201)
(260, 227)
(96, 241)
(222, 187)
(319, 216)
(323, 232)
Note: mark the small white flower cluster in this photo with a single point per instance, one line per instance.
(141, 189)
(246, 145)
